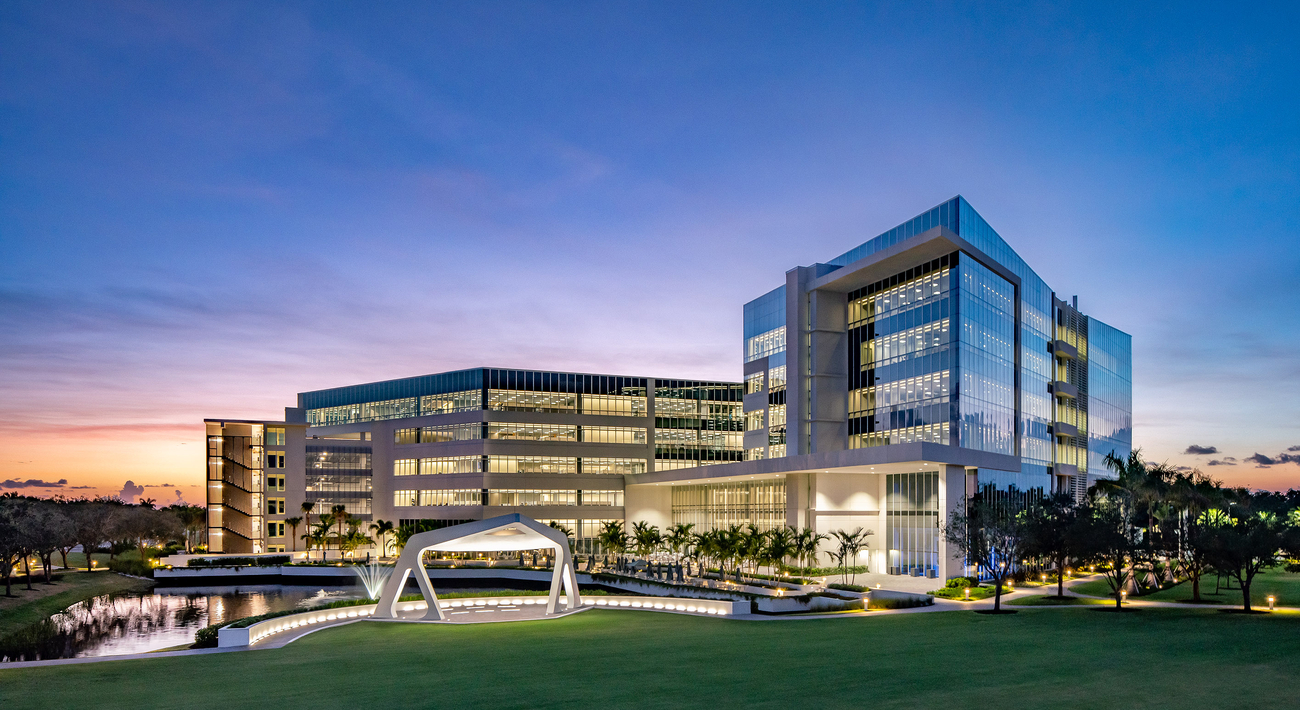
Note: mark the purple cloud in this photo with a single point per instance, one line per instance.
(130, 491)
(1195, 450)
(34, 483)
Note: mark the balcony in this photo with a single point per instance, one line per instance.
(1065, 351)
(1065, 390)
(1065, 431)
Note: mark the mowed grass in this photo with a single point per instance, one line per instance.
(1285, 586)
(1150, 658)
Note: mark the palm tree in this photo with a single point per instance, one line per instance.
(293, 524)
(647, 538)
(613, 538)
(319, 534)
(679, 537)
(339, 514)
(306, 508)
(780, 545)
(847, 547)
(807, 541)
(382, 528)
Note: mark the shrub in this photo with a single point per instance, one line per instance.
(206, 637)
(962, 583)
(272, 561)
(847, 587)
(135, 568)
(905, 603)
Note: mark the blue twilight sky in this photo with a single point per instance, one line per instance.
(208, 207)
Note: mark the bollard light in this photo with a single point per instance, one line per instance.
(1271, 600)
(968, 594)
(1123, 596)
(1044, 578)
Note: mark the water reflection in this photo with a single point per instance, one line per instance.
(136, 623)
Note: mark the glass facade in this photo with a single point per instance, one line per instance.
(986, 360)
(1110, 395)
(436, 465)
(698, 423)
(339, 475)
(902, 353)
(720, 505)
(912, 523)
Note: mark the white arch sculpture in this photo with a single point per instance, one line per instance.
(500, 534)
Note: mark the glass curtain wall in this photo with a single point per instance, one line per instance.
(698, 424)
(1110, 395)
(987, 360)
(721, 505)
(339, 475)
(912, 523)
(901, 357)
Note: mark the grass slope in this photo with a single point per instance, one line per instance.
(616, 659)
(45, 600)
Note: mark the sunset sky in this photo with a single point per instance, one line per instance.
(207, 208)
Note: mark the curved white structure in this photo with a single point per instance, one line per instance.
(500, 534)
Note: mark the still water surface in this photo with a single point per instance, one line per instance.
(139, 622)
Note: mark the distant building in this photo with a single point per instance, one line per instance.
(879, 388)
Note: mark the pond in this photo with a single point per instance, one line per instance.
(139, 622)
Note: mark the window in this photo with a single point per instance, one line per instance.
(451, 432)
(614, 498)
(275, 483)
(275, 459)
(754, 454)
(754, 383)
(275, 506)
(622, 467)
(464, 496)
(275, 529)
(532, 464)
(406, 436)
(460, 496)
(777, 416)
(754, 420)
(451, 464)
(615, 405)
(515, 401)
(405, 467)
(274, 436)
(463, 401)
(614, 435)
(776, 377)
(522, 497)
(533, 432)
(275, 548)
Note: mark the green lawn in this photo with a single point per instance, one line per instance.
(45, 600)
(1053, 600)
(618, 659)
(1280, 583)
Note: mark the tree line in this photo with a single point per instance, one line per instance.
(40, 528)
(1150, 525)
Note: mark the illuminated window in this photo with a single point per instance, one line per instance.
(613, 466)
(754, 419)
(451, 432)
(274, 436)
(613, 435)
(754, 383)
(405, 467)
(533, 432)
(451, 464)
